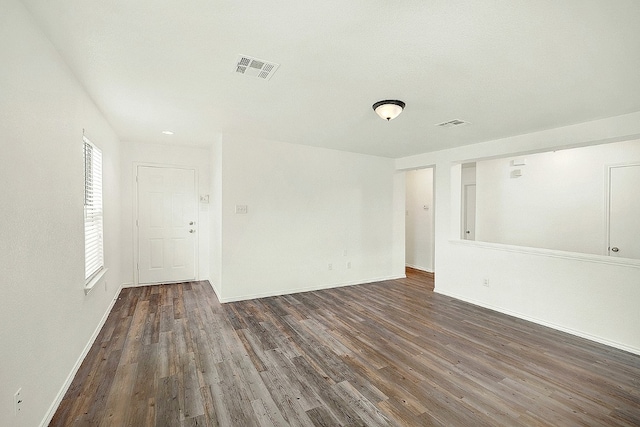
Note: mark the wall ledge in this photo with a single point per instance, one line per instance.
(88, 287)
(551, 253)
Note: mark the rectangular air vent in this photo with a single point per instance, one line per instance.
(255, 67)
(452, 123)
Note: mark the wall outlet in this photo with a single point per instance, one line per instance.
(485, 282)
(241, 209)
(349, 264)
(17, 401)
(330, 266)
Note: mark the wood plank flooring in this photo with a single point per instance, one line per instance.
(388, 353)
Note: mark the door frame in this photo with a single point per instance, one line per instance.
(607, 201)
(135, 231)
(433, 215)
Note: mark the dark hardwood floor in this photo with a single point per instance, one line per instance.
(388, 353)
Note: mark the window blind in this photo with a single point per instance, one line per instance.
(93, 215)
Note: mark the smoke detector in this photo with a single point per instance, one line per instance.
(255, 67)
(452, 123)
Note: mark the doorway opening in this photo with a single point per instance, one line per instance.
(468, 201)
(419, 220)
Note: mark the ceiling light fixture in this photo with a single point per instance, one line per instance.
(388, 109)
(167, 132)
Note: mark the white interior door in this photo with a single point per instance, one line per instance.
(624, 211)
(470, 212)
(166, 224)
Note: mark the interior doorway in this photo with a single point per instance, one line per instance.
(468, 219)
(419, 219)
(166, 224)
(469, 208)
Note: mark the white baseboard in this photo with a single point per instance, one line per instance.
(551, 325)
(63, 390)
(417, 267)
(215, 289)
(307, 289)
(142, 285)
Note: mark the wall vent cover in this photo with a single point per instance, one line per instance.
(452, 123)
(255, 67)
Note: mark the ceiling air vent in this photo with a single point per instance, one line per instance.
(255, 67)
(452, 123)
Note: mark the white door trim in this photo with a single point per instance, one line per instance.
(134, 229)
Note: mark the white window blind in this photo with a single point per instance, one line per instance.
(93, 216)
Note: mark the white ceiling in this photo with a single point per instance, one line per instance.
(508, 67)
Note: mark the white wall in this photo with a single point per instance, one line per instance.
(307, 207)
(592, 296)
(559, 202)
(46, 320)
(419, 221)
(197, 158)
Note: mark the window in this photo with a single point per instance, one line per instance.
(93, 216)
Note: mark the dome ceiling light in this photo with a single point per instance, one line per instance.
(388, 109)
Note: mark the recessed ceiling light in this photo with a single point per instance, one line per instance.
(167, 132)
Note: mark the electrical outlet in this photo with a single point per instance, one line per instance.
(17, 401)
(349, 264)
(241, 209)
(485, 282)
(330, 266)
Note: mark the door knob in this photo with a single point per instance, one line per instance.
(614, 249)
(191, 222)
(192, 231)
(468, 232)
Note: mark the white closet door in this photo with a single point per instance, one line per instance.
(624, 211)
